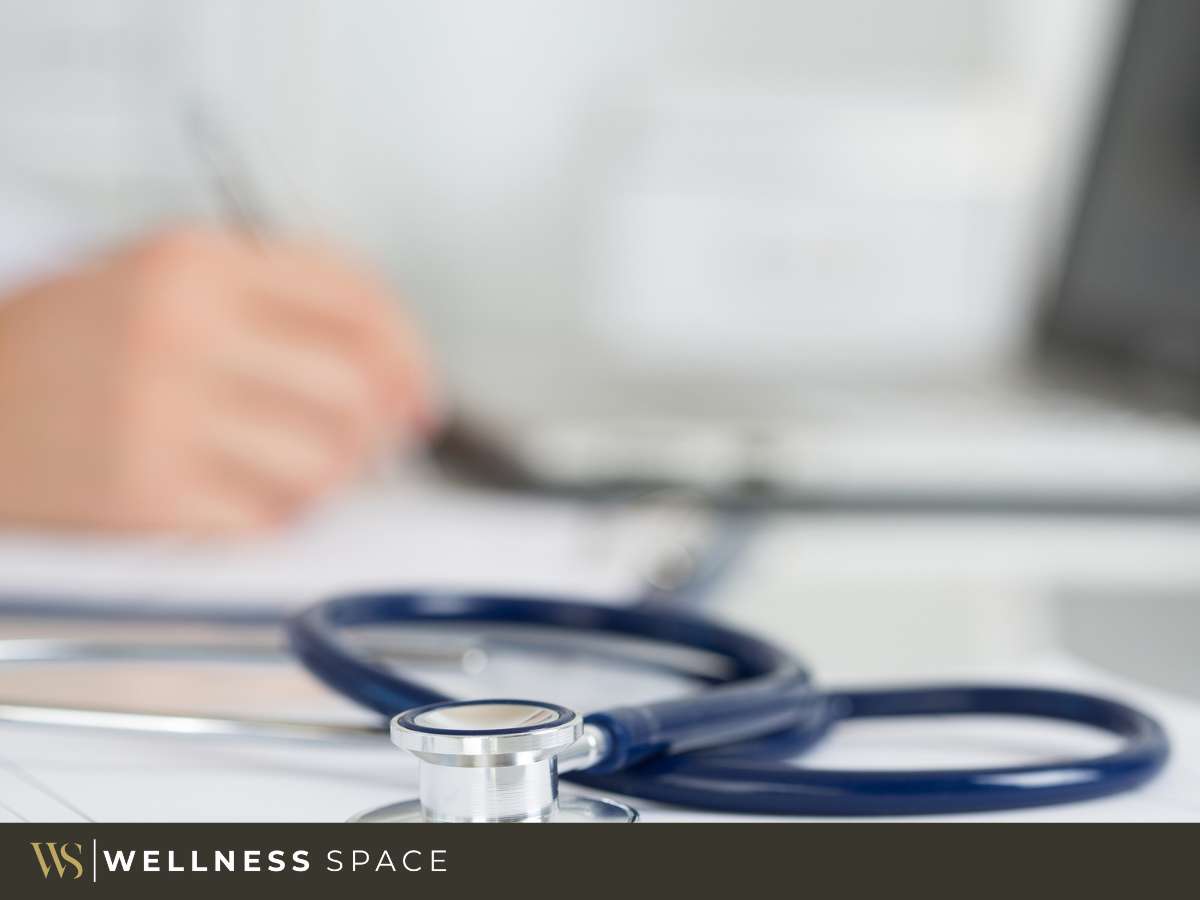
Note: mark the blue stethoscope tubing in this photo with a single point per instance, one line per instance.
(729, 747)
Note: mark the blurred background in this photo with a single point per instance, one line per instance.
(638, 232)
(774, 189)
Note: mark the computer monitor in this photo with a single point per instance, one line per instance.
(1128, 295)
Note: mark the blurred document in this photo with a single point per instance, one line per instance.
(380, 537)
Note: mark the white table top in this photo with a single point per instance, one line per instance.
(53, 774)
(416, 538)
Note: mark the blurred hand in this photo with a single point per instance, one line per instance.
(199, 382)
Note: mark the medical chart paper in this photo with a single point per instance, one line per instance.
(73, 776)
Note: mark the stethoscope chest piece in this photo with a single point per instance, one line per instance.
(496, 761)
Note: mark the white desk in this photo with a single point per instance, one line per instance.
(54, 775)
(457, 540)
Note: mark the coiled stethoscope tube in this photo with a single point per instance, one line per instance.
(727, 748)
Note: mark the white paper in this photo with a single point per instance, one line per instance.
(380, 537)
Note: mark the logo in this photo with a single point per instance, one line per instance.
(59, 858)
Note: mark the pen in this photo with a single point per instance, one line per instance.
(460, 446)
(226, 173)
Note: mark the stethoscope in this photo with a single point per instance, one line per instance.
(727, 746)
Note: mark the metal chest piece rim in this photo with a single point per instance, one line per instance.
(496, 761)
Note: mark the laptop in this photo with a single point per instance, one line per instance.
(1100, 421)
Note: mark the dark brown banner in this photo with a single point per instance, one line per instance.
(629, 861)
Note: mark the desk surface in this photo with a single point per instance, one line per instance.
(987, 606)
(58, 775)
